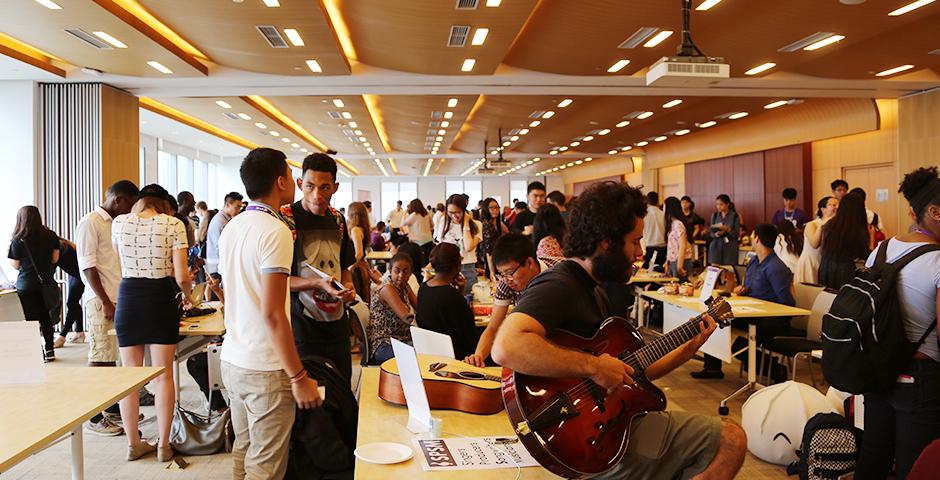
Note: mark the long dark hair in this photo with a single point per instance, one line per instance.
(485, 210)
(415, 206)
(794, 240)
(29, 226)
(847, 233)
(673, 211)
(548, 223)
(460, 202)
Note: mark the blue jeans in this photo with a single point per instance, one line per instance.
(381, 354)
(674, 269)
(469, 271)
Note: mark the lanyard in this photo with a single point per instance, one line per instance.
(928, 233)
(263, 208)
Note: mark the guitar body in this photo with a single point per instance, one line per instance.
(450, 385)
(576, 430)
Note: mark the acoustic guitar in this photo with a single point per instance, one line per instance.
(450, 385)
(572, 426)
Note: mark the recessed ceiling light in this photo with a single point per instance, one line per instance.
(534, 123)
(437, 144)
(707, 4)
(244, 116)
(442, 132)
(578, 162)
(778, 103)
(479, 36)
(353, 125)
(338, 102)
(710, 123)
(626, 148)
(367, 145)
(285, 140)
(548, 114)
(445, 124)
(672, 103)
(223, 104)
(612, 152)
(536, 159)
(588, 159)
(824, 42)
(657, 39)
(588, 138)
(575, 143)
(272, 3)
(618, 65)
(553, 152)
(506, 143)
(438, 139)
(760, 68)
(564, 103)
(448, 115)
(304, 150)
(562, 148)
(314, 66)
(909, 7)
(159, 67)
(347, 115)
(644, 115)
(570, 164)
(660, 138)
(523, 131)
(468, 65)
(363, 139)
(452, 103)
(493, 3)
(642, 144)
(682, 132)
(294, 37)
(514, 138)
(738, 115)
(623, 124)
(604, 131)
(274, 133)
(261, 125)
(892, 71)
(295, 145)
(108, 38)
(357, 132)
(49, 4)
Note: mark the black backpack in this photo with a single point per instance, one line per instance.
(829, 449)
(864, 343)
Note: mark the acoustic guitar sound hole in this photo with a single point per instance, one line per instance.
(471, 376)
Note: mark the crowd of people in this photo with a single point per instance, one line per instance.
(287, 271)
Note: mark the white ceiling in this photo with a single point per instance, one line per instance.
(12, 69)
(162, 127)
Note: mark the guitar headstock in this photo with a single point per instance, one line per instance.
(720, 310)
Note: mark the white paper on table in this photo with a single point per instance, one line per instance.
(472, 453)
(744, 309)
(711, 277)
(427, 342)
(20, 354)
(735, 301)
(419, 412)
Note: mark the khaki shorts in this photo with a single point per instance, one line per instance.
(102, 347)
(668, 445)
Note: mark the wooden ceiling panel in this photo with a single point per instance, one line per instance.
(413, 122)
(226, 32)
(412, 35)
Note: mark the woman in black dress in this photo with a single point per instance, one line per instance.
(441, 304)
(846, 239)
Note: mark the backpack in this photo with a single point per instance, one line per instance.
(829, 449)
(864, 343)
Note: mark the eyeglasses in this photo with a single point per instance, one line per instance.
(508, 275)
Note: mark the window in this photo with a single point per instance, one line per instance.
(166, 170)
(200, 181)
(473, 189)
(213, 199)
(142, 166)
(393, 192)
(343, 196)
(517, 190)
(184, 175)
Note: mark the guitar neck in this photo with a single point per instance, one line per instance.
(653, 351)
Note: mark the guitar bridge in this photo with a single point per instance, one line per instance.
(522, 428)
(557, 409)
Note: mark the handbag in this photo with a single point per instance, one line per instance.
(192, 433)
(51, 293)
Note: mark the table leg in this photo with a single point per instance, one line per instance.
(78, 456)
(751, 370)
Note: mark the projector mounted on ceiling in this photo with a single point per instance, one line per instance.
(690, 67)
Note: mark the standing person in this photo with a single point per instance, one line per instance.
(68, 262)
(457, 227)
(232, 207)
(606, 224)
(203, 217)
(438, 214)
(724, 231)
(493, 228)
(420, 228)
(101, 272)
(359, 228)
(807, 267)
(260, 365)
(678, 240)
(846, 238)
(900, 422)
(321, 240)
(557, 199)
(548, 235)
(152, 245)
(368, 204)
(839, 188)
(789, 212)
(186, 209)
(441, 307)
(535, 194)
(34, 250)
(396, 217)
(392, 309)
(654, 232)
(199, 215)
(693, 221)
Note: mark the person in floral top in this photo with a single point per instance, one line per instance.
(392, 309)
(548, 234)
(678, 240)
(493, 228)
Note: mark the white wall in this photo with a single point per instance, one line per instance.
(19, 135)
(150, 146)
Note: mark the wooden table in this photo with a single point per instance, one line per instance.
(10, 307)
(380, 421)
(639, 280)
(379, 256)
(37, 416)
(678, 310)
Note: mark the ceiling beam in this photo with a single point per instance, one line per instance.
(174, 114)
(18, 50)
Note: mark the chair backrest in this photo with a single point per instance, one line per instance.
(360, 313)
(820, 307)
(11, 310)
(805, 295)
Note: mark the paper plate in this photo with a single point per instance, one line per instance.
(384, 453)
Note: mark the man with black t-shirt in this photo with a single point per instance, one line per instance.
(535, 193)
(606, 225)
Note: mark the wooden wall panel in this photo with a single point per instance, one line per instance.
(747, 173)
(788, 167)
(918, 139)
(120, 137)
(580, 187)
(706, 180)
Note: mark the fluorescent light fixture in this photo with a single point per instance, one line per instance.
(644, 115)
(314, 66)
(909, 7)
(523, 131)
(427, 168)
(626, 148)
(271, 3)
(684, 131)
(710, 123)
(824, 42)
(658, 38)
(548, 114)
(604, 131)
(294, 37)
(448, 115)
(49, 4)
(285, 140)
(506, 143)
(564, 103)
(575, 143)
(642, 144)
(159, 67)
(778, 103)
(534, 123)
(578, 162)
(452, 103)
(442, 132)
(357, 132)
(479, 36)
(660, 138)
(108, 38)
(261, 126)
(305, 151)
(347, 115)
(672, 103)
(618, 65)
(611, 152)
(295, 145)
(638, 37)
(493, 3)
(588, 138)
(244, 116)
(737, 115)
(367, 145)
(562, 148)
(363, 139)
(339, 103)
(445, 124)
(353, 125)
(892, 71)
(707, 4)
(438, 139)
(623, 124)
(468, 65)
(223, 104)
(514, 138)
(274, 133)
(760, 68)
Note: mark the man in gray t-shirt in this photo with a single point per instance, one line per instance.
(232, 207)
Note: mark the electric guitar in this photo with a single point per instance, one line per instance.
(572, 426)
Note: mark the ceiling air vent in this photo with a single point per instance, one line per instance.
(458, 35)
(805, 41)
(434, 124)
(467, 4)
(537, 114)
(639, 37)
(348, 132)
(436, 114)
(935, 52)
(231, 116)
(272, 36)
(432, 133)
(88, 38)
(334, 115)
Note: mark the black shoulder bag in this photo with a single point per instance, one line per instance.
(51, 294)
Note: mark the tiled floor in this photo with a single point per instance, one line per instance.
(104, 456)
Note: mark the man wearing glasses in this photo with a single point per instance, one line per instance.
(516, 266)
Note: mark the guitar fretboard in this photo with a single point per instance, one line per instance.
(653, 351)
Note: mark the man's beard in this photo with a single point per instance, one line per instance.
(612, 265)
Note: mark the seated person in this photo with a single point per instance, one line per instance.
(441, 304)
(516, 266)
(768, 279)
(605, 225)
(401, 244)
(391, 309)
(376, 240)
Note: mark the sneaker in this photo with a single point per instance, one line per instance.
(146, 398)
(49, 356)
(59, 341)
(115, 418)
(104, 428)
(75, 337)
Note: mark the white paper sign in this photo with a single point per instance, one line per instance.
(419, 412)
(427, 342)
(20, 354)
(473, 453)
(711, 278)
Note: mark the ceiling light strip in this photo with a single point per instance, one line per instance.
(372, 106)
(892, 71)
(25, 53)
(909, 7)
(173, 114)
(340, 30)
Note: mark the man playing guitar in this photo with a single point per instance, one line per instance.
(605, 227)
